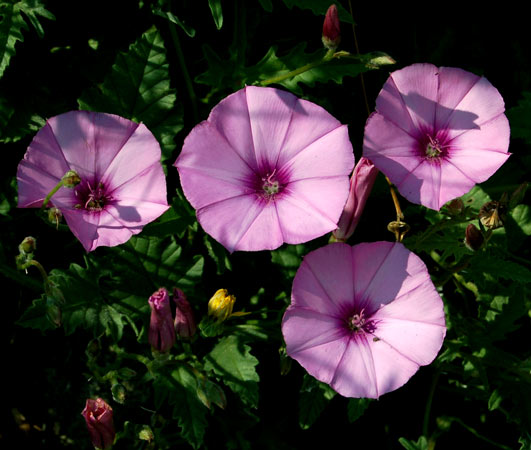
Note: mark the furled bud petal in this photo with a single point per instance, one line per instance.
(71, 179)
(161, 334)
(361, 183)
(473, 238)
(98, 416)
(220, 305)
(331, 30)
(185, 326)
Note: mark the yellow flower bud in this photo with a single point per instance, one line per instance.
(221, 304)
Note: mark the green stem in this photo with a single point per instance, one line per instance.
(184, 70)
(240, 32)
(356, 46)
(478, 435)
(429, 402)
(134, 356)
(52, 192)
(327, 57)
(38, 265)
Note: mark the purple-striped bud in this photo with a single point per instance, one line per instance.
(161, 334)
(361, 183)
(473, 238)
(331, 30)
(184, 316)
(98, 416)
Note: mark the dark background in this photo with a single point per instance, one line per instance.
(45, 374)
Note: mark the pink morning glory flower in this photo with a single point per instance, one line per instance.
(363, 319)
(437, 132)
(122, 186)
(266, 168)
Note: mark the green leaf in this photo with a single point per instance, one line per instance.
(12, 24)
(180, 386)
(112, 290)
(289, 257)
(319, 8)
(272, 66)
(314, 396)
(36, 317)
(267, 5)
(217, 14)
(86, 305)
(520, 118)
(138, 88)
(233, 363)
(174, 19)
(356, 408)
(495, 400)
(493, 263)
(32, 9)
(421, 444)
(522, 216)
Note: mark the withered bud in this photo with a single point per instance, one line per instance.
(54, 215)
(492, 214)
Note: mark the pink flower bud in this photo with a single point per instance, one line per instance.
(361, 183)
(331, 30)
(161, 334)
(184, 316)
(473, 238)
(98, 416)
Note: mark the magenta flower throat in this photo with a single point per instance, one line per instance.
(266, 168)
(122, 185)
(363, 319)
(437, 132)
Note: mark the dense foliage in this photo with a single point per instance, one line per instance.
(84, 334)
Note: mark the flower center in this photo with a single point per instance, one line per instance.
(433, 148)
(270, 185)
(360, 322)
(93, 197)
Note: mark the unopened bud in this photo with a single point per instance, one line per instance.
(99, 419)
(118, 393)
(53, 311)
(492, 214)
(361, 183)
(28, 245)
(220, 305)
(161, 333)
(285, 361)
(473, 238)
(185, 326)
(455, 207)
(71, 179)
(331, 29)
(146, 434)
